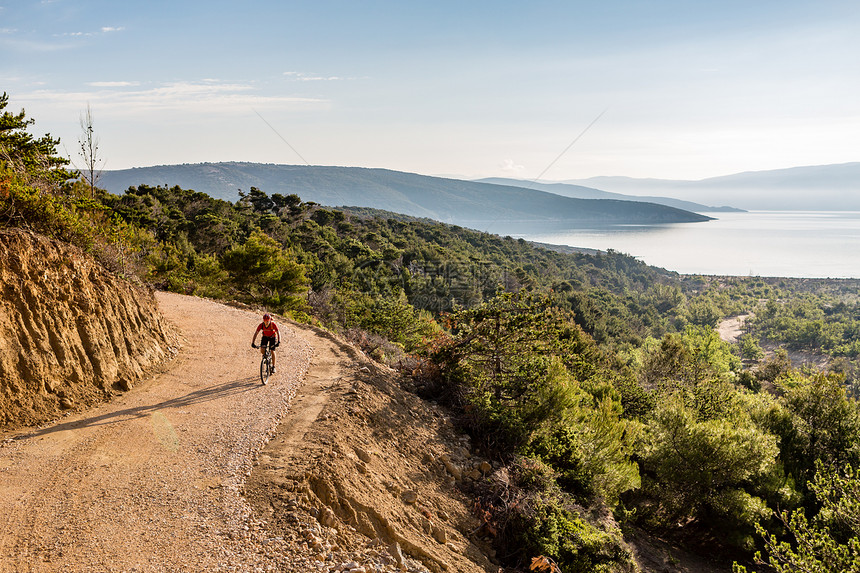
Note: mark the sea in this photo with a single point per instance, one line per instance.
(803, 244)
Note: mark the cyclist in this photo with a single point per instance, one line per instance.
(271, 336)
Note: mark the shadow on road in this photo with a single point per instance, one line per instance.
(208, 394)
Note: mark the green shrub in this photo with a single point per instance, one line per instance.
(543, 520)
(703, 470)
(827, 543)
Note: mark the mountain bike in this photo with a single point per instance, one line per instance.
(266, 363)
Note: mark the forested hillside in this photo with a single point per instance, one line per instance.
(598, 384)
(467, 203)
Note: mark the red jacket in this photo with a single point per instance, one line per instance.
(270, 330)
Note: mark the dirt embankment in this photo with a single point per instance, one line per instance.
(366, 476)
(71, 333)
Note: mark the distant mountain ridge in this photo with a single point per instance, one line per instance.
(582, 192)
(465, 203)
(810, 188)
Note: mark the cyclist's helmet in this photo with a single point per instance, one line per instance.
(267, 316)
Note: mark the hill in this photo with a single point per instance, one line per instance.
(587, 386)
(821, 187)
(465, 203)
(582, 192)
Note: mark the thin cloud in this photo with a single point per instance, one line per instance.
(103, 30)
(512, 167)
(303, 77)
(34, 46)
(112, 84)
(187, 97)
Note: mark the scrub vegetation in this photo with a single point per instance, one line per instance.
(599, 384)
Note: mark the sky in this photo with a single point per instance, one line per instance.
(675, 89)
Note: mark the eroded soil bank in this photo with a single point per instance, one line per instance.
(71, 333)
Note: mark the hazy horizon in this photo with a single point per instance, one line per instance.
(572, 181)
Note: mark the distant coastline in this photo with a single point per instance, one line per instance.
(791, 244)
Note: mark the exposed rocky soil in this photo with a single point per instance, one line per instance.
(71, 334)
(369, 467)
(150, 481)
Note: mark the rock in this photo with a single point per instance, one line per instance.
(66, 404)
(410, 496)
(486, 467)
(397, 554)
(439, 534)
(474, 474)
(425, 512)
(452, 468)
(328, 518)
(363, 455)
(392, 487)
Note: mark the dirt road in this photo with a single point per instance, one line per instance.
(150, 481)
(731, 328)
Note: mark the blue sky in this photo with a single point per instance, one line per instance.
(687, 89)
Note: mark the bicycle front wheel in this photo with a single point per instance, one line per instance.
(265, 370)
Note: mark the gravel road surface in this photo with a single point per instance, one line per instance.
(151, 481)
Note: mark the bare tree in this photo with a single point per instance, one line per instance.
(89, 151)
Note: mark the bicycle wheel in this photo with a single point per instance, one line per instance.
(265, 369)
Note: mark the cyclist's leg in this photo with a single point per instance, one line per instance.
(270, 341)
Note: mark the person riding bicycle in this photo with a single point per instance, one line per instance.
(271, 337)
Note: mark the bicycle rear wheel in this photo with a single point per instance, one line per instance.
(265, 369)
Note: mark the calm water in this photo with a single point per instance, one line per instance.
(821, 244)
